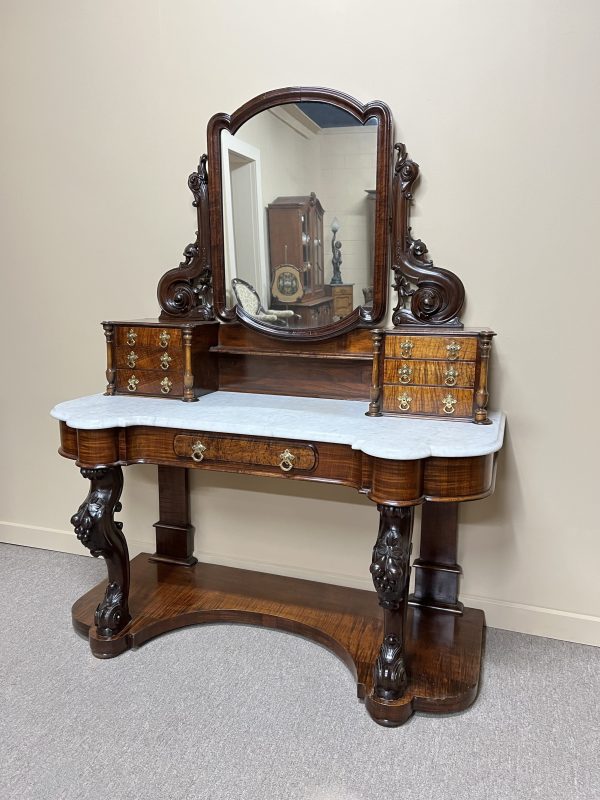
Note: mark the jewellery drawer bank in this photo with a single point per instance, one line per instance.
(270, 355)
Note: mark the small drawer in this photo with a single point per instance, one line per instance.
(448, 348)
(149, 358)
(137, 336)
(150, 381)
(437, 401)
(210, 448)
(409, 372)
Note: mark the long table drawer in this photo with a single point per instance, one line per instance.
(448, 348)
(428, 373)
(441, 401)
(210, 448)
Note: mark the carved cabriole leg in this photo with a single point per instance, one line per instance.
(97, 530)
(390, 569)
(437, 574)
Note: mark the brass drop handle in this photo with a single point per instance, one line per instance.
(198, 450)
(406, 348)
(287, 459)
(453, 350)
(165, 385)
(404, 402)
(164, 339)
(132, 384)
(405, 374)
(131, 337)
(131, 359)
(451, 376)
(165, 360)
(449, 402)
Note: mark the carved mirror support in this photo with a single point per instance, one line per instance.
(427, 295)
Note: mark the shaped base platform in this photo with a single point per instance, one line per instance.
(443, 649)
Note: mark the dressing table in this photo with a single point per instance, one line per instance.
(398, 414)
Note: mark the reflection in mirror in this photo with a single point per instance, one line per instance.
(298, 212)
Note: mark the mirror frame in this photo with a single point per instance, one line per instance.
(361, 316)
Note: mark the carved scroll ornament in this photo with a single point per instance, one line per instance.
(186, 291)
(427, 295)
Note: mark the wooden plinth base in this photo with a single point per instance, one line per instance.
(443, 650)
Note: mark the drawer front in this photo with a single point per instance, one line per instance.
(448, 348)
(409, 372)
(138, 336)
(438, 401)
(209, 448)
(150, 381)
(144, 357)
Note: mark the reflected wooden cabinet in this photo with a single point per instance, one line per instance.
(296, 237)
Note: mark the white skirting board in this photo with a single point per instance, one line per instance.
(535, 620)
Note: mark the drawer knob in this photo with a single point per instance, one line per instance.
(449, 403)
(164, 339)
(450, 376)
(165, 360)
(453, 350)
(406, 348)
(404, 402)
(405, 374)
(132, 384)
(165, 385)
(131, 359)
(198, 450)
(131, 337)
(287, 459)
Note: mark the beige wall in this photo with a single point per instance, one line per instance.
(105, 107)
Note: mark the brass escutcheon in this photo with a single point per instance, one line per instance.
(406, 348)
(165, 360)
(453, 350)
(164, 339)
(131, 337)
(449, 403)
(198, 450)
(287, 459)
(404, 402)
(450, 376)
(165, 385)
(132, 383)
(405, 374)
(131, 359)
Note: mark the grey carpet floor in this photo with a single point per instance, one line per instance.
(229, 711)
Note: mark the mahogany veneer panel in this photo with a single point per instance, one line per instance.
(443, 650)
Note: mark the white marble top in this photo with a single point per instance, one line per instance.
(307, 418)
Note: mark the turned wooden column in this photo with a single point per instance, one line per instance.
(174, 531)
(390, 570)
(437, 574)
(97, 530)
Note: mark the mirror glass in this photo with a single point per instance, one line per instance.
(298, 185)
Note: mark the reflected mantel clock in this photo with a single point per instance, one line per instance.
(284, 377)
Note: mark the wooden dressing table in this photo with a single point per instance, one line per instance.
(314, 404)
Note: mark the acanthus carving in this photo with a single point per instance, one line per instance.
(436, 295)
(110, 612)
(97, 530)
(186, 291)
(390, 562)
(390, 670)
